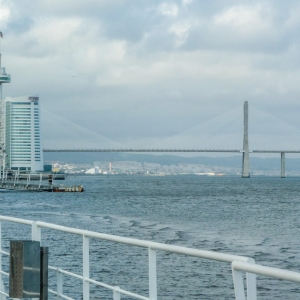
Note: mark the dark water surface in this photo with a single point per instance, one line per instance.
(255, 217)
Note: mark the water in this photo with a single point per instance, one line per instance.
(256, 217)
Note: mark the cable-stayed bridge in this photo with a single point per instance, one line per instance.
(231, 132)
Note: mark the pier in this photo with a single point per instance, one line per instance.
(25, 182)
(22, 186)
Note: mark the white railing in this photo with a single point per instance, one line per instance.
(239, 263)
(238, 267)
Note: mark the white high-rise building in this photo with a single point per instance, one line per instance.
(22, 134)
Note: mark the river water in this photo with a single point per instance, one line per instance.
(255, 217)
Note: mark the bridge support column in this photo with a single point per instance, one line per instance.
(282, 164)
(246, 167)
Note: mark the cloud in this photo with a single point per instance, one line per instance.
(243, 18)
(168, 9)
(187, 2)
(181, 30)
(161, 66)
(4, 14)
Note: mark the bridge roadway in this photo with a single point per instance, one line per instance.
(170, 150)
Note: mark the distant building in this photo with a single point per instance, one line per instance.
(22, 134)
(94, 170)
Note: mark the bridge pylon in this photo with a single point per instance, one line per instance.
(282, 164)
(246, 167)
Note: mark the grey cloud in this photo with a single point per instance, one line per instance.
(134, 20)
(278, 38)
(19, 25)
(157, 83)
(127, 22)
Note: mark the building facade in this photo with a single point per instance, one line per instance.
(22, 134)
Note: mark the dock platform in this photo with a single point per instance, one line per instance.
(23, 186)
(16, 181)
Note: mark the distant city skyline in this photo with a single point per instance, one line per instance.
(139, 71)
(260, 168)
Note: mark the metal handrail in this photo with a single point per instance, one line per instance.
(151, 246)
(223, 257)
(238, 266)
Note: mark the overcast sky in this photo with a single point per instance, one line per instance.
(138, 71)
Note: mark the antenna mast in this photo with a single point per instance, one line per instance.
(4, 78)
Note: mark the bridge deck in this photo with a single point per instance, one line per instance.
(170, 150)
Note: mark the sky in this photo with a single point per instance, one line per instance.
(140, 71)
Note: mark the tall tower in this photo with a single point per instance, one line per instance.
(245, 168)
(4, 78)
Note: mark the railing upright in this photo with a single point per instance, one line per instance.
(251, 283)
(1, 283)
(3, 295)
(117, 295)
(152, 275)
(28, 179)
(86, 267)
(41, 177)
(35, 232)
(238, 285)
(59, 284)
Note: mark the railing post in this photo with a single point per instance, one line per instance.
(1, 282)
(251, 283)
(117, 295)
(28, 179)
(60, 283)
(238, 285)
(86, 267)
(152, 275)
(2, 297)
(2, 289)
(35, 232)
(41, 177)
